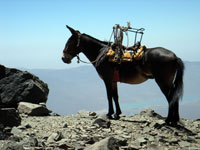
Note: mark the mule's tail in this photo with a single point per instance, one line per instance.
(177, 90)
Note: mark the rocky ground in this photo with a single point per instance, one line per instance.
(86, 130)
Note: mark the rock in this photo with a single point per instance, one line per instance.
(3, 135)
(122, 141)
(92, 114)
(55, 114)
(17, 132)
(184, 144)
(102, 122)
(150, 113)
(65, 125)
(54, 137)
(90, 141)
(27, 125)
(33, 109)
(17, 86)
(63, 144)
(11, 145)
(2, 71)
(85, 113)
(9, 117)
(173, 141)
(154, 147)
(134, 146)
(157, 124)
(142, 140)
(109, 143)
(30, 142)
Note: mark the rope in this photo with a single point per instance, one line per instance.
(79, 60)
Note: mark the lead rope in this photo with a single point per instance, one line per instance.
(79, 60)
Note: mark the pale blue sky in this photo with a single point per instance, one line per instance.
(33, 32)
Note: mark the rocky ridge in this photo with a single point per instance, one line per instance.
(86, 130)
(20, 86)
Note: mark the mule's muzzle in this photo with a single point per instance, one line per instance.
(66, 59)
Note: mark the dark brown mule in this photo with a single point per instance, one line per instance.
(158, 63)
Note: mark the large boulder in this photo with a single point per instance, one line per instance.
(9, 117)
(20, 86)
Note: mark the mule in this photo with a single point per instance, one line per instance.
(158, 63)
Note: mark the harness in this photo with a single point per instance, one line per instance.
(128, 55)
(119, 53)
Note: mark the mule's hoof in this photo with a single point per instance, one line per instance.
(109, 116)
(116, 117)
(171, 123)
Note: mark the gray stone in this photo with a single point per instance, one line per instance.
(122, 141)
(154, 147)
(157, 124)
(65, 125)
(92, 114)
(102, 122)
(173, 140)
(17, 132)
(24, 126)
(184, 144)
(63, 144)
(142, 140)
(33, 109)
(135, 146)
(109, 143)
(11, 145)
(146, 129)
(150, 113)
(54, 137)
(29, 142)
(83, 113)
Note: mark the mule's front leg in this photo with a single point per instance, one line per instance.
(109, 96)
(115, 97)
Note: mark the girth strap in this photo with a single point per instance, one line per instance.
(116, 75)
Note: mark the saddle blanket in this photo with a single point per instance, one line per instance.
(128, 56)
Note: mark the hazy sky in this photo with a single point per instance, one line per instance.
(33, 32)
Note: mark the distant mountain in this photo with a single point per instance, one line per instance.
(80, 88)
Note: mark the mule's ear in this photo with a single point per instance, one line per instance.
(72, 30)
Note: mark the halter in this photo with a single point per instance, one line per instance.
(77, 55)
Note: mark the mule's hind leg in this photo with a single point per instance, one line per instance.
(173, 112)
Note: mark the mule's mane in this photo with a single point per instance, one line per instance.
(102, 55)
(103, 42)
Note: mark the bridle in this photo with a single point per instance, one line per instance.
(77, 55)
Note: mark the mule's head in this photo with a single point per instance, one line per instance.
(72, 47)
